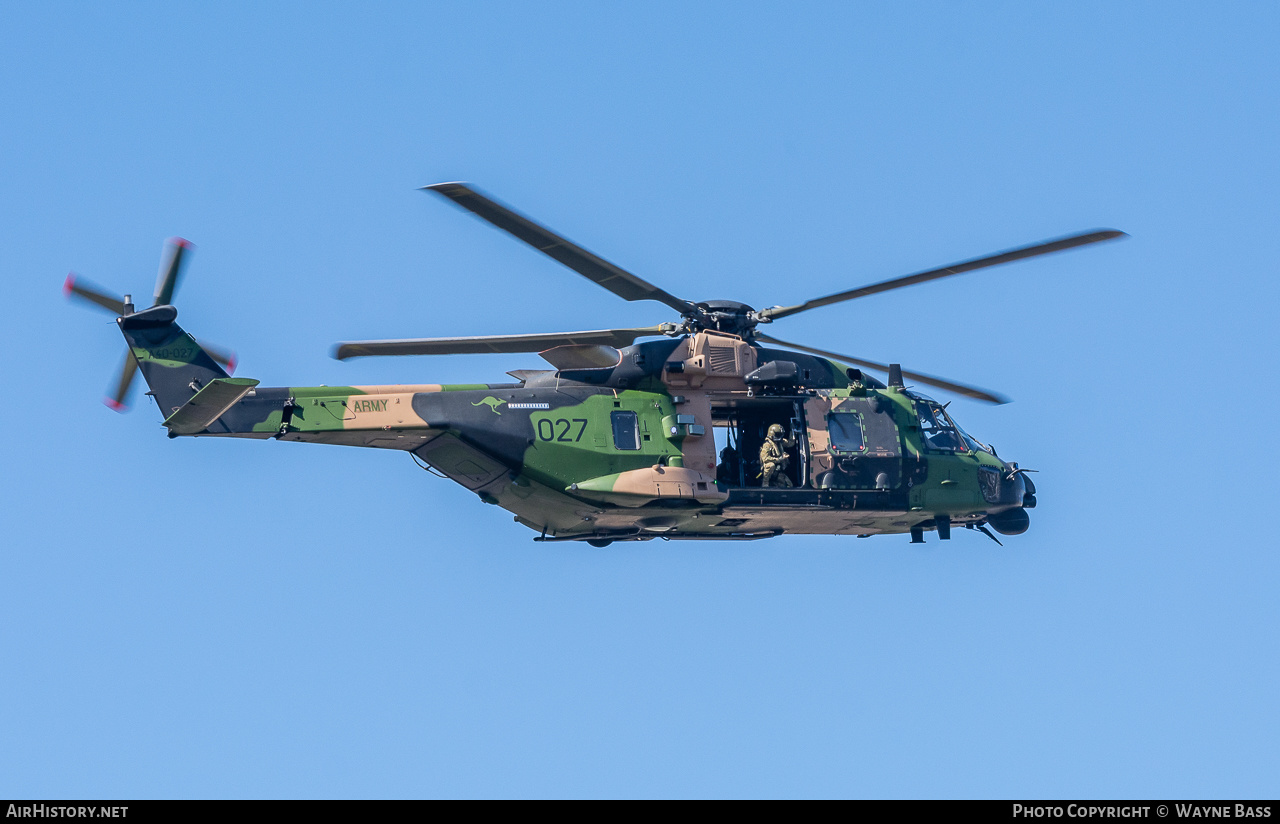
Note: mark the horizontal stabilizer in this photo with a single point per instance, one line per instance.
(207, 405)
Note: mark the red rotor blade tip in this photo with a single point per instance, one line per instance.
(231, 364)
(68, 284)
(115, 405)
(179, 241)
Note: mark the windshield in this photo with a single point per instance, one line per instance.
(974, 443)
(937, 429)
(940, 431)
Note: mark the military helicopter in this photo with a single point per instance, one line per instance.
(616, 441)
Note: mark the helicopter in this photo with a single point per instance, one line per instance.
(617, 440)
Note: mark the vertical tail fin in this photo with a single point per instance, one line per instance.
(172, 363)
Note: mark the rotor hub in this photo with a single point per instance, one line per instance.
(724, 316)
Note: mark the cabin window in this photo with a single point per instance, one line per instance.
(845, 431)
(625, 430)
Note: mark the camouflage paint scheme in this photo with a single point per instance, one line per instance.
(544, 448)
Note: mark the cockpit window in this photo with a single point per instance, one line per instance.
(973, 443)
(936, 428)
(845, 431)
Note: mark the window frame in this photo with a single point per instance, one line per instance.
(862, 432)
(940, 411)
(617, 415)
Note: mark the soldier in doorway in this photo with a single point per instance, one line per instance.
(774, 458)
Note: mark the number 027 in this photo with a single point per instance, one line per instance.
(562, 429)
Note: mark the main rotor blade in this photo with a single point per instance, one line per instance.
(1048, 247)
(170, 269)
(596, 269)
(491, 344)
(116, 400)
(951, 386)
(74, 286)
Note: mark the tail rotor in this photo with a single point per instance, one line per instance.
(176, 251)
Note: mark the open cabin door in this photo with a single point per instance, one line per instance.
(853, 444)
(742, 428)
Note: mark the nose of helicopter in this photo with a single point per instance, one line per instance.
(1021, 492)
(1029, 493)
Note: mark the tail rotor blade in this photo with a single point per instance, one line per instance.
(224, 357)
(76, 287)
(176, 249)
(116, 400)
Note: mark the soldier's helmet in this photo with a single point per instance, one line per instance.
(775, 431)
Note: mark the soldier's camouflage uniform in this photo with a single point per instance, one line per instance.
(774, 458)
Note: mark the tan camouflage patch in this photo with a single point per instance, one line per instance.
(382, 411)
(637, 487)
(815, 413)
(396, 388)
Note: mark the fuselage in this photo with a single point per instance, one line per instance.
(665, 442)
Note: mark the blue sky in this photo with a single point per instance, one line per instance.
(193, 618)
